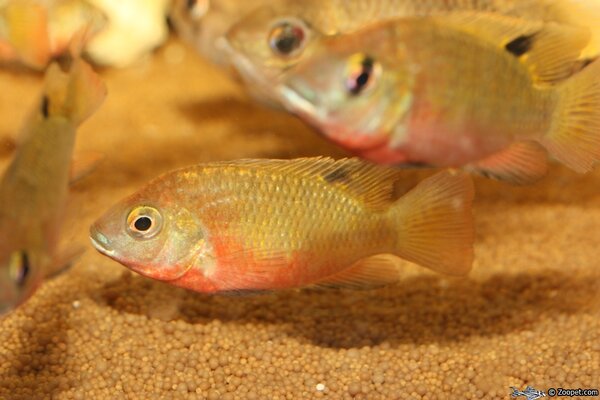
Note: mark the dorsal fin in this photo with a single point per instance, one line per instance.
(549, 50)
(372, 184)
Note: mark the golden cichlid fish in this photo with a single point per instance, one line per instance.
(33, 189)
(482, 91)
(274, 224)
(274, 38)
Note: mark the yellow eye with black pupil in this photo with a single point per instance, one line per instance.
(144, 222)
(362, 74)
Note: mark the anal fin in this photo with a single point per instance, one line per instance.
(522, 163)
(369, 273)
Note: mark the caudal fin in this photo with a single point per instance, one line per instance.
(75, 95)
(574, 137)
(435, 223)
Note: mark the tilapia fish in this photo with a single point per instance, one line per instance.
(33, 189)
(486, 92)
(274, 38)
(273, 224)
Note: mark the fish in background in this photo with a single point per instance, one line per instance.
(202, 23)
(253, 225)
(272, 39)
(33, 189)
(478, 90)
(134, 28)
(33, 32)
(119, 33)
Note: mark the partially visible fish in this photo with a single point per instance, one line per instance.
(203, 23)
(483, 91)
(35, 31)
(273, 224)
(33, 189)
(272, 39)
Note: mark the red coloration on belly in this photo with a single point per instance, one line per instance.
(195, 280)
(353, 140)
(164, 273)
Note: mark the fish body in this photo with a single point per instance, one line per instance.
(34, 187)
(273, 39)
(428, 91)
(276, 224)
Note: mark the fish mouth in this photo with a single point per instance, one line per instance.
(101, 242)
(295, 102)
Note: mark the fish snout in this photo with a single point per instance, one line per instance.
(100, 241)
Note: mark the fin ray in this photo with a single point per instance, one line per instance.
(574, 137)
(369, 273)
(373, 184)
(436, 223)
(522, 163)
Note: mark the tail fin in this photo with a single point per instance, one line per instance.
(75, 95)
(436, 224)
(574, 137)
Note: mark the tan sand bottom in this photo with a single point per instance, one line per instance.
(529, 313)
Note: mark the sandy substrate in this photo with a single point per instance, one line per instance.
(528, 314)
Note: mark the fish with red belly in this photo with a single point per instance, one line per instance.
(274, 224)
(486, 92)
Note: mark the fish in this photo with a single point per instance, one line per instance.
(271, 40)
(33, 32)
(484, 92)
(203, 23)
(33, 189)
(258, 225)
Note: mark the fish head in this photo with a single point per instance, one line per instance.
(352, 90)
(267, 42)
(152, 233)
(203, 23)
(21, 273)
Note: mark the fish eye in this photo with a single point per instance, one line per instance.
(20, 267)
(197, 8)
(287, 38)
(362, 74)
(144, 222)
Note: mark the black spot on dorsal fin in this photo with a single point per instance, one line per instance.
(338, 175)
(45, 107)
(520, 45)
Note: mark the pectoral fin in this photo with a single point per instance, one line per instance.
(522, 163)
